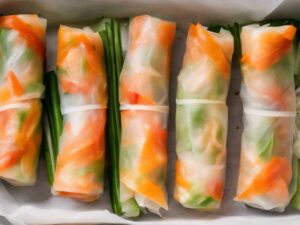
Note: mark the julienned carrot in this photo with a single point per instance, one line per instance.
(136, 98)
(153, 191)
(153, 154)
(31, 36)
(74, 87)
(274, 177)
(89, 65)
(147, 169)
(181, 180)
(86, 158)
(212, 48)
(16, 87)
(272, 46)
(216, 189)
(24, 139)
(78, 40)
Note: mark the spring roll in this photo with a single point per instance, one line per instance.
(144, 98)
(21, 86)
(201, 118)
(82, 83)
(268, 96)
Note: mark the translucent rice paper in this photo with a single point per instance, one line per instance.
(82, 81)
(143, 160)
(21, 85)
(201, 118)
(145, 75)
(24, 206)
(144, 83)
(268, 95)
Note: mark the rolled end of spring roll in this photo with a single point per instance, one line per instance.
(21, 86)
(82, 82)
(143, 160)
(201, 118)
(144, 98)
(268, 96)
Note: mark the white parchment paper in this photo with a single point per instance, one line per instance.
(36, 205)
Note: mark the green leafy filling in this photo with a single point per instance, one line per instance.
(265, 146)
(199, 201)
(22, 116)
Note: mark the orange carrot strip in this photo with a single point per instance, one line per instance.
(9, 158)
(4, 94)
(216, 190)
(211, 48)
(16, 86)
(72, 87)
(273, 45)
(28, 160)
(31, 121)
(64, 48)
(134, 97)
(154, 150)
(277, 170)
(166, 33)
(32, 39)
(180, 177)
(153, 191)
(78, 196)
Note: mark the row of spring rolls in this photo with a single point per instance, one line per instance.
(267, 178)
(268, 95)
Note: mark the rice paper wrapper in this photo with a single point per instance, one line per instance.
(20, 142)
(83, 90)
(264, 144)
(143, 160)
(269, 100)
(36, 205)
(80, 163)
(201, 131)
(205, 73)
(144, 79)
(22, 50)
(22, 59)
(201, 118)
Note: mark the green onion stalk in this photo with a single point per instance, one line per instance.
(110, 32)
(296, 198)
(53, 123)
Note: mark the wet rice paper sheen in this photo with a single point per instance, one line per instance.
(201, 118)
(21, 86)
(82, 83)
(144, 81)
(143, 159)
(268, 87)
